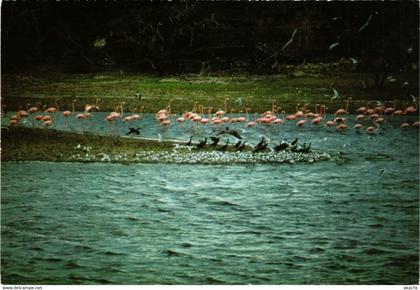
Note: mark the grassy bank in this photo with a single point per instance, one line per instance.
(257, 92)
(19, 143)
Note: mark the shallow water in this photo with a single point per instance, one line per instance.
(150, 128)
(351, 220)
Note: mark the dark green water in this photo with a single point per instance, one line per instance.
(351, 220)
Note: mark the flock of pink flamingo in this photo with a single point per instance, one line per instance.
(203, 115)
(301, 117)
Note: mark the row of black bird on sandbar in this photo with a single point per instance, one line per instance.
(240, 145)
(215, 137)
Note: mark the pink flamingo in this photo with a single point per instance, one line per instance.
(410, 110)
(89, 107)
(398, 112)
(299, 113)
(46, 118)
(307, 113)
(113, 116)
(404, 125)
(196, 118)
(340, 120)
(361, 110)
(166, 122)
(342, 127)
(243, 119)
(379, 109)
(317, 120)
(358, 126)
(128, 118)
(38, 118)
(67, 114)
(13, 122)
(225, 119)
(22, 114)
(48, 123)
(379, 120)
(51, 110)
(278, 121)
(316, 114)
(343, 111)
(372, 129)
(374, 116)
(220, 113)
(81, 117)
(301, 123)
(31, 111)
(251, 124)
(330, 123)
(291, 117)
(389, 110)
(369, 111)
(205, 120)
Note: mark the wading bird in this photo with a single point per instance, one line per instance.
(224, 147)
(343, 111)
(202, 143)
(260, 146)
(241, 146)
(189, 143)
(67, 114)
(214, 140)
(283, 145)
(372, 129)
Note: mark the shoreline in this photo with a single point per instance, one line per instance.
(27, 144)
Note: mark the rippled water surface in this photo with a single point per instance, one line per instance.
(351, 220)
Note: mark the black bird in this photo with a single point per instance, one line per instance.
(134, 131)
(263, 140)
(202, 143)
(189, 143)
(223, 148)
(283, 145)
(304, 148)
(215, 140)
(260, 148)
(238, 144)
(294, 145)
(241, 146)
(230, 132)
(294, 142)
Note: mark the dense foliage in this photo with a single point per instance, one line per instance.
(207, 36)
